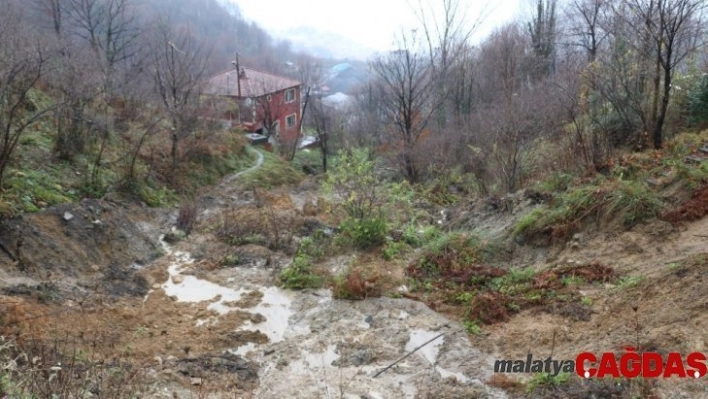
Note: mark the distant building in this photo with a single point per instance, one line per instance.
(337, 101)
(259, 102)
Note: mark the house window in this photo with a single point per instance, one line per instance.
(290, 95)
(291, 120)
(268, 97)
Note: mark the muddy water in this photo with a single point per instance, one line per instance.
(324, 348)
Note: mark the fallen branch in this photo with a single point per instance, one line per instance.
(412, 352)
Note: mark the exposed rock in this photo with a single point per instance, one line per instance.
(197, 368)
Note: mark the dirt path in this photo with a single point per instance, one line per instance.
(259, 163)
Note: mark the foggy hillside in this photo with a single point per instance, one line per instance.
(325, 44)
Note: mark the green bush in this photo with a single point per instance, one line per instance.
(393, 249)
(301, 274)
(354, 181)
(364, 233)
(417, 236)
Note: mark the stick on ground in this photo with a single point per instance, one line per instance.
(412, 352)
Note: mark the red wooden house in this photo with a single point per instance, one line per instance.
(259, 102)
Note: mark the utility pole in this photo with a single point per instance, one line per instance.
(238, 76)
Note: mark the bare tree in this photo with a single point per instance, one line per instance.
(680, 23)
(178, 69)
(586, 25)
(77, 82)
(52, 12)
(22, 62)
(446, 31)
(322, 117)
(407, 87)
(505, 52)
(109, 26)
(668, 32)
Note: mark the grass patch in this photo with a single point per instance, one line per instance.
(308, 161)
(546, 380)
(633, 202)
(629, 281)
(629, 201)
(274, 172)
(33, 190)
(555, 183)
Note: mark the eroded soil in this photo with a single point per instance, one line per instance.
(201, 317)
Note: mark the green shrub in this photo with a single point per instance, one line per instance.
(156, 197)
(364, 233)
(354, 181)
(301, 274)
(472, 327)
(515, 282)
(417, 236)
(393, 249)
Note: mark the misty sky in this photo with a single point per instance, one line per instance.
(372, 23)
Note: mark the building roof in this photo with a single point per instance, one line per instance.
(253, 83)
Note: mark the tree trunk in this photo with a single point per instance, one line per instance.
(658, 134)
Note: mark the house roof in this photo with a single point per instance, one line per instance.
(253, 83)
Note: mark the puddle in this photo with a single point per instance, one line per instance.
(430, 351)
(322, 360)
(274, 306)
